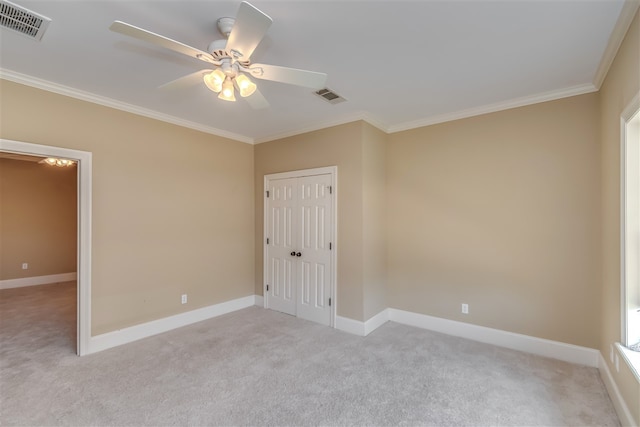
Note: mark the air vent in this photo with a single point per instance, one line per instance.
(22, 20)
(330, 96)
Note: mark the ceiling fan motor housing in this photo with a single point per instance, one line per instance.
(218, 49)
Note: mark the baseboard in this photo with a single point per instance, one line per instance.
(376, 321)
(539, 346)
(626, 419)
(351, 326)
(259, 300)
(37, 280)
(144, 330)
(362, 328)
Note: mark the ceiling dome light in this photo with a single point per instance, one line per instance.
(214, 80)
(227, 92)
(245, 85)
(61, 163)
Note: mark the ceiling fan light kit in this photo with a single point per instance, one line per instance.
(227, 93)
(233, 56)
(245, 86)
(214, 80)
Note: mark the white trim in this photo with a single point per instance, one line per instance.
(542, 347)
(626, 419)
(631, 358)
(342, 120)
(362, 115)
(492, 108)
(439, 118)
(376, 321)
(118, 105)
(144, 330)
(327, 170)
(626, 115)
(615, 40)
(84, 160)
(362, 329)
(300, 173)
(259, 300)
(351, 326)
(37, 280)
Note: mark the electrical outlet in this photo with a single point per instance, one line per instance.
(25, 266)
(184, 298)
(465, 308)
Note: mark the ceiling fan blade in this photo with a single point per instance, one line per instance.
(287, 75)
(186, 81)
(248, 30)
(167, 43)
(257, 101)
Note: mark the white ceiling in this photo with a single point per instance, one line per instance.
(400, 64)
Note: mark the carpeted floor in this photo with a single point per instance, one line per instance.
(259, 367)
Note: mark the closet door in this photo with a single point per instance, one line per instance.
(281, 259)
(313, 237)
(299, 226)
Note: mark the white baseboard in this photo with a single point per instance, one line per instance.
(376, 321)
(542, 347)
(37, 280)
(362, 329)
(259, 300)
(351, 326)
(144, 330)
(626, 419)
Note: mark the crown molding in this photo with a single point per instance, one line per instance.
(118, 105)
(350, 118)
(358, 116)
(498, 106)
(627, 14)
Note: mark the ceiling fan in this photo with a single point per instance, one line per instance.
(231, 56)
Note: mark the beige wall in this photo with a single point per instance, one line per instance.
(172, 207)
(502, 212)
(359, 151)
(38, 213)
(339, 146)
(620, 86)
(374, 220)
(515, 213)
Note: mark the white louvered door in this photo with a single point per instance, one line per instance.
(299, 263)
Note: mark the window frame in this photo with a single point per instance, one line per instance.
(629, 117)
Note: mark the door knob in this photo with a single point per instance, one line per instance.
(293, 253)
(298, 254)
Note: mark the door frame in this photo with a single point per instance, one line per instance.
(84, 173)
(328, 170)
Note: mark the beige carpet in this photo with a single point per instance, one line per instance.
(259, 367)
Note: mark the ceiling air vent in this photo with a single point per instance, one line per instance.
(22, 20)
(330, 96)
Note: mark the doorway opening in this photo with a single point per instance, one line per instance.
(83, 227)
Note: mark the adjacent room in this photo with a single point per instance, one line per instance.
(319, 213)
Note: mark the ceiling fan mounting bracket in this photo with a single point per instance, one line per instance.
(225, 25)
